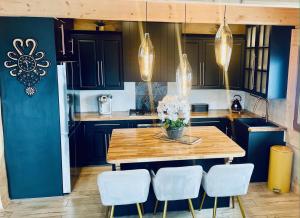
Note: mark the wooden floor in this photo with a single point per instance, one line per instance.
(84, 202)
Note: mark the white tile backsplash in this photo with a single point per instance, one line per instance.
(216, 98)
(122, 100)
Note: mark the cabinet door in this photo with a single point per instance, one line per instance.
(211, 75)
(193, 54)
(88, 64)
(235, 70)
(111, 65)
(131, 43)
(96, 145)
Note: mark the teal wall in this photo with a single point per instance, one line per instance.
(31, 124)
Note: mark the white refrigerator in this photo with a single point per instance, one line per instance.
(64, 109)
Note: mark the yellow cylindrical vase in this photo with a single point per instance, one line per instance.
(280, 169)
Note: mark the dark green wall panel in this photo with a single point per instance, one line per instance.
(31, 124)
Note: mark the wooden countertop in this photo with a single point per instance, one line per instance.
(140, 145)
(124, 115)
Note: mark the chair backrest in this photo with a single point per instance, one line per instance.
(228, 180)
(177, 183)
(124, 187)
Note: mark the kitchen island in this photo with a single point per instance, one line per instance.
(142, 149)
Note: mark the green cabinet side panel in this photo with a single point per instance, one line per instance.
(31, 124)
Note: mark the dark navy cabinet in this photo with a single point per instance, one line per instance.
(221, 123)
(206, 73)
(100, 64)
(257, 146)
(31, 124)
(267, 61)
(95, 141)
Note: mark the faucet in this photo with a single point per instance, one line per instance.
(267, 107)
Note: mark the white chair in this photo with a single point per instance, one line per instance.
(177, 183)
(227, 181)
(123, 188)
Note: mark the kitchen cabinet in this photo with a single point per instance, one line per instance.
(221, 123)
(64, 42)
(96, 141)
(163, 37)
(206, 72)
(100, 64)
(267, 60)
(257, 145)
(95, 136)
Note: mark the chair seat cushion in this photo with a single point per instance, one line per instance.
(124, 187)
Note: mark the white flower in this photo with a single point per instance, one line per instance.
(174, 108)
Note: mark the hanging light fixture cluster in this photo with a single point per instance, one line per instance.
(184, 72)
(146, 55)
(146, 58)
(223, 45)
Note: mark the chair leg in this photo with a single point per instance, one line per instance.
(106, 212)
(232, 198)
(155, 207)
(215, 208)
(165, 209)
(142, 208)
(191, 208)
(112, 211)
(139, 210)
(241, 206)
(203, 198)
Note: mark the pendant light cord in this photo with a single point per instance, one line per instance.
(184, 38)
(146, 16)
(225, 14)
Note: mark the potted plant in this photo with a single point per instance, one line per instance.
(174, 112)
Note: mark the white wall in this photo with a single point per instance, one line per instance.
(122, 100)
(216, 98)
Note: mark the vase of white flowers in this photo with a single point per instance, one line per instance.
(174, 112)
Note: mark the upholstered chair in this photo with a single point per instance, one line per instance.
(123, 188)
(227, 181)
(177, 183)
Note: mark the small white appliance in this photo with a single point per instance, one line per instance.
(104, 104)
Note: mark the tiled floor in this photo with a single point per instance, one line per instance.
(84, 202)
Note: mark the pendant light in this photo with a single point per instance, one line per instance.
(184, 72)
(146, 55)
(223, 45)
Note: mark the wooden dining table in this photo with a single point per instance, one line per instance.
(143, 148)
(140, 145)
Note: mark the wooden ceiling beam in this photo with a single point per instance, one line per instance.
(158, 10)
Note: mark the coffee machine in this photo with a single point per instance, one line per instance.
(104, 104)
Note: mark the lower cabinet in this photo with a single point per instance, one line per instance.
(89, 144)
(257, 146)
(221, 123)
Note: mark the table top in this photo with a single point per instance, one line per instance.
(141, 145)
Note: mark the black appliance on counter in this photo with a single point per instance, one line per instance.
(200, 107)
(236, 104)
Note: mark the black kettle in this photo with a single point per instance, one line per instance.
(236, 103)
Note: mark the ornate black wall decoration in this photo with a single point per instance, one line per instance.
(27, 65)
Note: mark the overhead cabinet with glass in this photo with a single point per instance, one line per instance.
(267, 60)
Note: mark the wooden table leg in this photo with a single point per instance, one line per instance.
(118, 167)
(228, 160)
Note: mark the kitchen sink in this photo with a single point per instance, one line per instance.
(259, 124)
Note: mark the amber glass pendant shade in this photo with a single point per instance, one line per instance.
(184, 77)
(223, 46)
(146, 58)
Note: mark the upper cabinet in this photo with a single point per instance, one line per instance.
(64, 43)
(163, 37)
(267, 60)
(206, 73)
(99, 60)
